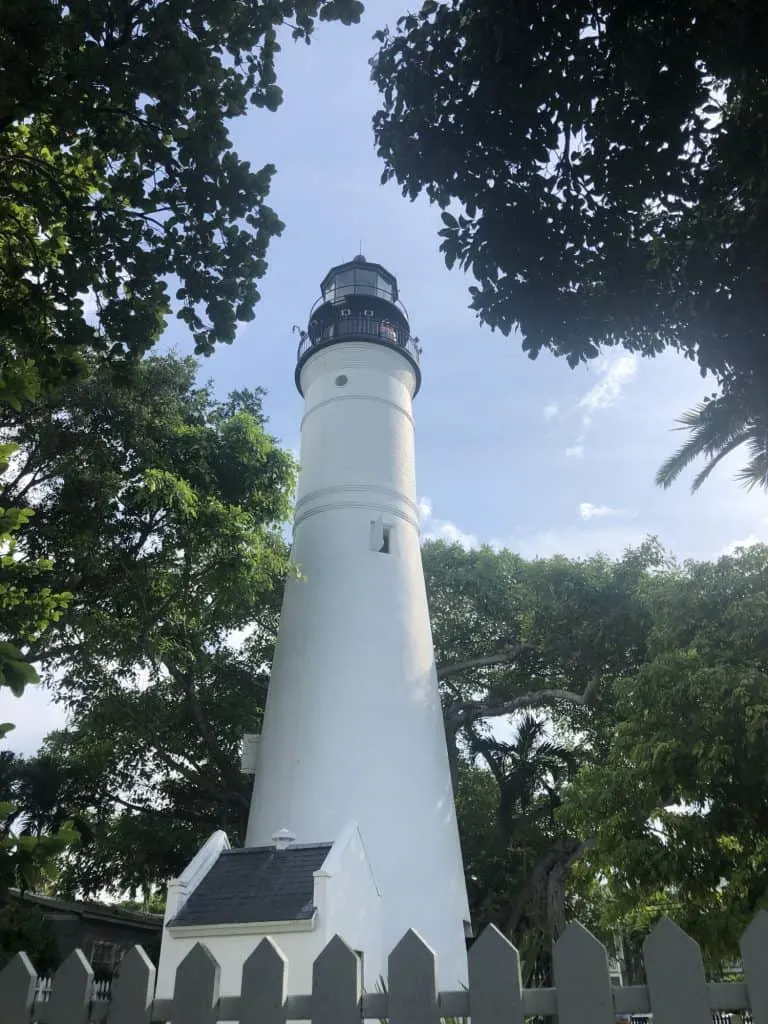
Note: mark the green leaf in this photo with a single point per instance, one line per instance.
(606, 182)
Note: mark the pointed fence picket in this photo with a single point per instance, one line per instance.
(336, 985)
(582, 981)
(494, 980)
(677, 984)
(677, 991)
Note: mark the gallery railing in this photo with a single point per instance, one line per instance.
(363, 328)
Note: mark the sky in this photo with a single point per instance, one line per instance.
(530, 455)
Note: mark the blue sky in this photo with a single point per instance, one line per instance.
(528, 454)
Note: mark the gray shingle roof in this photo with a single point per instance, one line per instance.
(259, 883)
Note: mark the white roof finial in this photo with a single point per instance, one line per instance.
(283, 839)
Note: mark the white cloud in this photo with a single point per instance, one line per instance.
(748, 542)
(607, 392)
(425, 509)
(550, 410)
(443, 529)
(589, 511)
(576, 451)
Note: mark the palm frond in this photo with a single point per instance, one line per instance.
(755, 473)
(714, 460)
(679, 461)
(717, 426)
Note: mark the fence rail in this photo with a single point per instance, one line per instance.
(677, 991)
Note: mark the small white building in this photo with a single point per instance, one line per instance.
(353, 728)
(300, 895)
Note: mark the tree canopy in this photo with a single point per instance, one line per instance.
(119, 177)
(121, 201)
(31, 841)
(646, 798)
(29, 605)
(526, 652)
(163, 506)
(676, 804)
(605, 718)
(601, 167)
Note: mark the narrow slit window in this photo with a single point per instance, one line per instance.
(381, 537)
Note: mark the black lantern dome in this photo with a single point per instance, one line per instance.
(358, 302)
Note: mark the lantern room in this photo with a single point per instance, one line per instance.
(358, 302)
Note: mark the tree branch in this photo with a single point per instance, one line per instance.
(451, 739)
(195, 777)
(159, 812)
(218, 756)
(471, 710)
(484, 750)
(16, 494)
(504, 657)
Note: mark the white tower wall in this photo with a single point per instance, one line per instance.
(353, 727)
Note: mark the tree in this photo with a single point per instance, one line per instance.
(142, 775)
(164, 508)
(27, 604)
(517, 857)
(511, 636)
(644, 798)
(28, 856)
(677, 805)
(23, 928)
(118, 175)
(140, 772)
(118, 179)
(28, 607)
(717, 427)
(597, 166)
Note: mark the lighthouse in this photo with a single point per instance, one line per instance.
(351, 777)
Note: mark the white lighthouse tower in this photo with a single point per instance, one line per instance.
(353, 743)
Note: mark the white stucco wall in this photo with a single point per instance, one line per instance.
(232, 950)
(353, 728)
(349, 903)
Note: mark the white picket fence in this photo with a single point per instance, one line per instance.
(677, 991)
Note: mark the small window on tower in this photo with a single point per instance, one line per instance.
(381, 537)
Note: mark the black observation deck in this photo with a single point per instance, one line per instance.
(358, 302)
